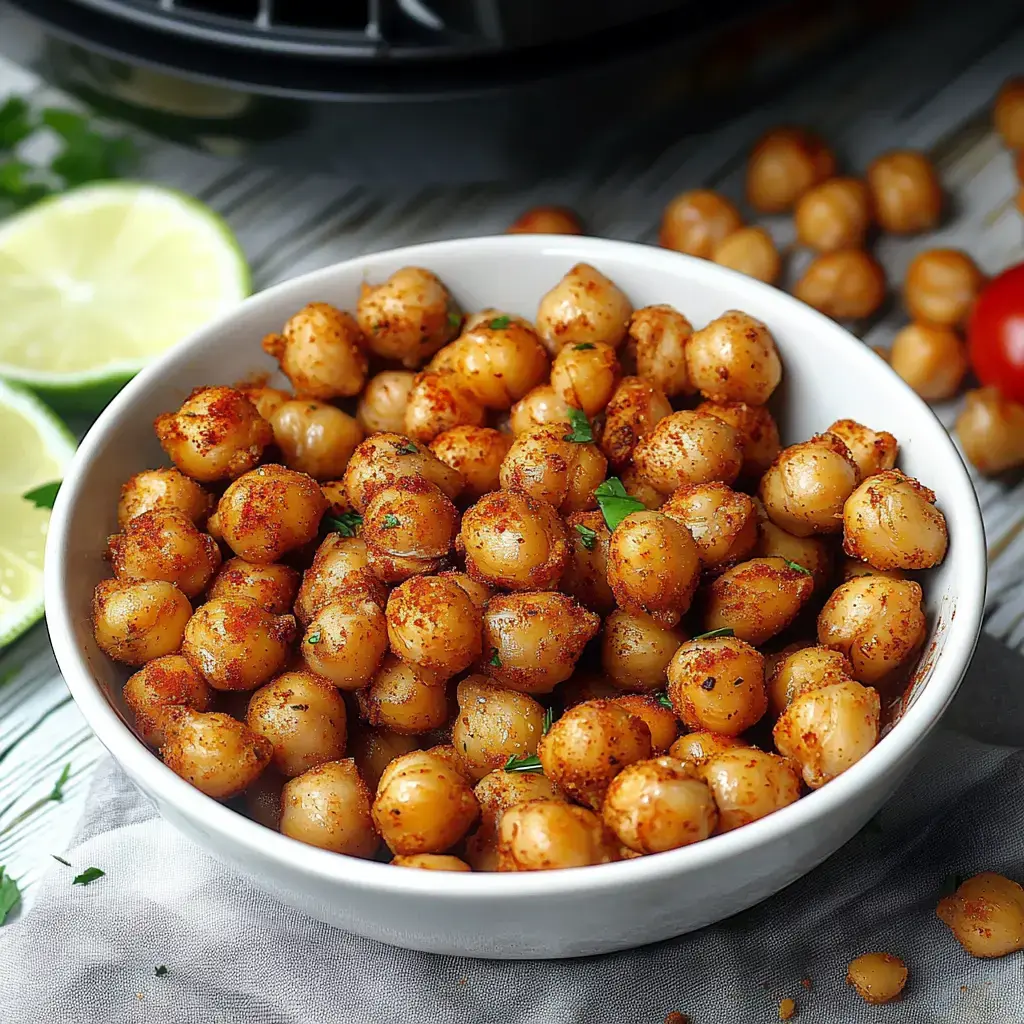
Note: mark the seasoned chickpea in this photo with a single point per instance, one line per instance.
(878, 623)
(162, 544)
(784, 164)
(374, 749)
(757, 599)
(408, 317)
(828, 729)
(320, 350)
(812, 553)
(583, 307)
(848, 284)
(589, 745)
(434, 624)
(533, 641)
(931, 359)
(698, 747)
(160, 684)
(696, 222)
(217, 434)
(834, 215)
(381, 407)
(586, 374)
(734, 359)
(806, 486)
(541, 406)
(423, 804)
(493, 724)
(756, 430)
(438, 402)
(905, 192)
(688, 448)
(877, 977)
(941, 287)
(631, 415)
(587, 684)
(543, 464)
(304, 718)
(585, 578)
(852, 567)
(345, 640)
(1008, 113)
(658, 334)
(638, 488)
(543, 835)
(266, 399)
(802, 670)
(991, 431)
(163, 489)
(337, 498)
(479, 593)
(986, 915)
(721, 521)
(272, 587)
(751, 251)
(340, 567)
(329, 807)
(404, 698)
(431, 862)
(315, 438)
(872, 450)
(476, 453)
(514, 541)
(716, 684)
(891, 521)
(135, 621)
(236, 644)
(658, 805)
(659, 719)
(653, 566)
(270, 511)
(216, 753)
(636, 650)
(546, 220)
(748, 784)
(262, 799)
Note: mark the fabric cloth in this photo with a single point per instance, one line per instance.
(89, 955)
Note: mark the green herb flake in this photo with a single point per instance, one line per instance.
(87, 876)
(299, 707)
(495, 658)
(615, 504)
(588, 537)
(724, 631)
(57, 793)
(499, 323)
(799, 568)
(61, 860)
(314, 638)
(161, 971)
(10, 894)
(549, 720)
(455, 319)
(87, 155)
(584, 346)
(43, 496)
(346, 524)
(389, 522)
(408, 449)
(663, 699)
(16, 122)
(524, 764)
(582, 432)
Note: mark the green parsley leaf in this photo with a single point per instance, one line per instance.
(44, 495)
(346, 524)
(724, 631)
(588, 537)
(389, 522)
(524, 764)
(663, 700)
(549, 720)
(68, 124)
(57, 793)
(499, 323)
(407, 449)
(495, 659)
(10, 894)
(161, 971)
(21, 184)
(87, 876)
(615, 504)
(61, 860)
(581, 432)
(16, 122)
(88, 155)
(584, 346)
(799, 568)
(455, 318)
(314, 638)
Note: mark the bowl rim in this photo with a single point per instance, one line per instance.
(233, 831)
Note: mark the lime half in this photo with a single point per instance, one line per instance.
(37, 449)
(98, 281)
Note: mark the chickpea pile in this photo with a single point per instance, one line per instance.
(472, 596)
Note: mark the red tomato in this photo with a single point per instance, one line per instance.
(995, 334)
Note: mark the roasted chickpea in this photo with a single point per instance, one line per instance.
(871, 450)
(320, 350)
(806, 486)
(438, 402)
(329, 807)
(542, 406)
(476, 453)
(583, 307)
(905, 192)
(587, 684)
(337, 498)
(423, 804)
(659, 719)
(848, 284)
(542, 835)
(658, 805)
(546, 220)
(408, 317)
(631, 415)
(852, 567)
(658, 334)
(262, 799)
(270, 511)
(135, 621)
(653, 566)
(544, 464)
(304, 718)
(638, 488)
(941, 287)
(160, 684)
(734, 359)
(315, 438)
(266, 399)
(751, 251)
(479, 593)
(589, 745)
(716, 684)
(514, 541)
(756, 431)
(163, 489)
(696, 222)
(688, 448)
(802, 670)
(236, 644)
(345, 640)
(877, 977)
(493, 724)
(162, 544)
(721, 521)
(533, 641)
(812, 553)
(586, 374)
(878, 623)
(272, 587)
(381, 407)
(931, 359)
(217, 434)
(586, 574)
(636, 650)
(986, 914)
(834, 215)
(991, 431)
(434, 624)
(891, 521)
(1008, 113)
(404, 698)
(748, 784)
(784, 164)
(374, 749)
(340, 567)
(698, 747)
(431, 862)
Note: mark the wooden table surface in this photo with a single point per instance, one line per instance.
(929, 86)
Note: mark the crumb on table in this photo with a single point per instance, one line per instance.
(787, 1009)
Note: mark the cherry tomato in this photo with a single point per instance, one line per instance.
(995, 334)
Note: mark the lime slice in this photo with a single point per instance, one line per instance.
(37, 449)
(98, 281)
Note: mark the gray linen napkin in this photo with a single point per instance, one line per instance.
(235, 956)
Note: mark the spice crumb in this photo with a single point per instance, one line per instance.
(675, 1017)
(806, 982)
(787, 1009)
(963, 988)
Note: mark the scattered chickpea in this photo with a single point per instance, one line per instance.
(991, 431)
(1009, 113)
(877, 977)
(698, 221)
(848, 284)
(546, 220)
(941, 286)
(905, 191)
(986, 914)
(787, 1009)
(834, 215)
(783, 165)
(931, 359)
(751, 251)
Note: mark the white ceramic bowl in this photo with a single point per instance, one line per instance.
(828, 374)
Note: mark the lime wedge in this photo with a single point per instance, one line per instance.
(98, 281)
(37, 449)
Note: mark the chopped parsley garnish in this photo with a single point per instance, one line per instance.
(407, 449)
(57, 793)
(549, 720)
(588, 537)
(44, 495)
(495, 659)
(160, 971)
(799, 568)
(455, 319)
(524, 764)
(314, 638)
(724, 631)
(584, 346)
(61, 860)
(499, 323)
(389, 522)
(346, 524)
(10, 894)
(581, 432)
(87, 876)
(663, 699)
(615, 504)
